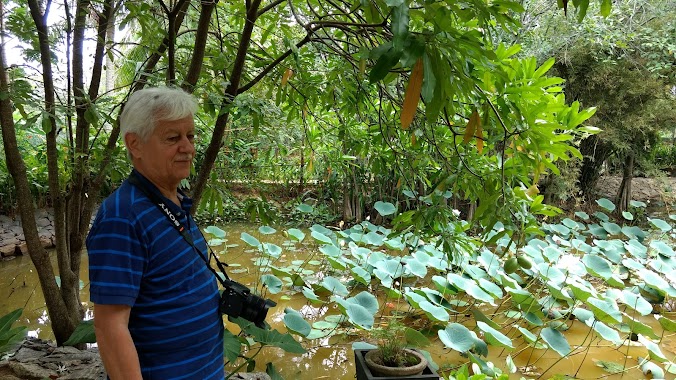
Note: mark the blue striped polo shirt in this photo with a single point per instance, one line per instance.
(138, 258)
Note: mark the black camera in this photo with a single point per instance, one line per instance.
(237, 301)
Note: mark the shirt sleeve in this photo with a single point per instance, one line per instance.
(117, 258)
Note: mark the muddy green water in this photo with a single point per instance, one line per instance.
(333, 358)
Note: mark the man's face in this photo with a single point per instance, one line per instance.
(166, 157)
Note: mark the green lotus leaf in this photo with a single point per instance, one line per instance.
(474, 271)
(252, 241)
(606, 204)
(661, 224)
(653, 349)
(337, 263)
(434, 312)
(559, 229)
(374, 238)
(295, 322)
(266, 230)
(493, 336)
(556, 341)
(597, 266)
(636, 249)
(320, 237)
(604, 310)
(654, 280)
(551, 274)
(610, 367)
(385, 208)
(272, 250)
(273, 283)
(297, 234)
(217, 232)
(666, 323)
(491, 288)
(529, 336)
(304, 208)
(605, 332)
(330, 250)
(636, 302)
(637, 204)
(361, 275)
(395, 244)
(652, 369)
(639, 327)
(231, 346)
(582, 215)
(662, 248)
(480, 316)
(583, 315)
(612, 228)
(457, 337)
(415, 267)
(533, 319)
(334, 286)
(627, 215)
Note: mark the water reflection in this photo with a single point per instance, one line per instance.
(332, 357)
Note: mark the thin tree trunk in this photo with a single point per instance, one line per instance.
(63, 321)
(231, 91)
(624, 192)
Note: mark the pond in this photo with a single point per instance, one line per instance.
(332, 358)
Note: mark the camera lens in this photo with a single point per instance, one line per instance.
(256, 309)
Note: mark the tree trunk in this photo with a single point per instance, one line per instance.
(595, 153)
(624, 192)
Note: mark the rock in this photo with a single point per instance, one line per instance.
(251, 376)
(30, 371)
(8, 250)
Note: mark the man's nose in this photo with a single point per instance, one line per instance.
(186, 145)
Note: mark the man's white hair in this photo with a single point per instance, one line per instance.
(148, 106)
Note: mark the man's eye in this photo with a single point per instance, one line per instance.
(191, 138)
(173, 138)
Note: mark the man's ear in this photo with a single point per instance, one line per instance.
(133, 143)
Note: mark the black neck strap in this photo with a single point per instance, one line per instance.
(161, 204)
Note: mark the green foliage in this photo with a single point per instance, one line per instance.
(10, 337)
(84, 333)
(567, 262)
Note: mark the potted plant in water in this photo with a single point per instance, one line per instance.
(393, 355)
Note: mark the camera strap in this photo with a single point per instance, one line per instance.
(154, 198)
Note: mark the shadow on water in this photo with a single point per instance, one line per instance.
(332, 358)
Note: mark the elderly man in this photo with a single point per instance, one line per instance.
(155, 300)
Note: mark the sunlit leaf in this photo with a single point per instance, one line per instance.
(266, 230)
(252, 241)
(296, 234)
(556, 341)
(493, 336)
(456, 337)
(606, 204)
(295, 322)
(412, 95)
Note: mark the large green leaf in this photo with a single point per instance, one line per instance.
(636, 302)
(385, 208)
(653, 349)
(606, 204)
(252, 241)
(272, 282)
(296, 234)
(231, 345)
(334, 285)
(217, 232)
(84, 333)
(605, 332)
(604, 310)
(295, 322)
(457, 337)
(556, 341)
(270, 337)
(662, 248)
(493, 336)
(661, 224)
(8, 319)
